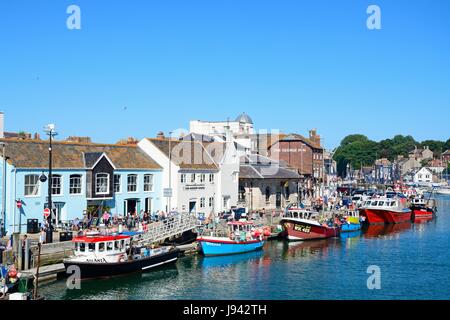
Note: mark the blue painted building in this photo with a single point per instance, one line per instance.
(119, 178)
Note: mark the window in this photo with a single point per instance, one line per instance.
(242, 194)
(117, 179)
(109, 246)
(267, 194)
(211, 177)
(117, 245)
(31, 185)
(101, 247)
(202, 202)
(101, 183)
(56, 184)
(211, 202)
(202, 178)
(75, 184)
(91, 247)
(183, 178)
(193, 178)
(132, 183)
(148, 183)
(82, 247)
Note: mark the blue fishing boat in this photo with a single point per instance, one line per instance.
(351, 222)
(242, 237)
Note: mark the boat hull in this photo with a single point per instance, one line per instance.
(350, 227)
(223, 246)
(421, 214)
(301, 231)
(374, 216)
(105, 270)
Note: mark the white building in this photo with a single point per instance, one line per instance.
(242, 125)
(202, 175)
(423, 176)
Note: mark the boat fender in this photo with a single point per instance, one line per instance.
(122, 258)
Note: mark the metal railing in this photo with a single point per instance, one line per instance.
(169, 227)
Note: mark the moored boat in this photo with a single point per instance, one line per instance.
(423, 209)
(386, 210)
(351, 221)
(302, 224)
(443, 191)
(242, 237)
(99, 256)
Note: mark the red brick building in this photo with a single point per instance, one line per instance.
(303, 154)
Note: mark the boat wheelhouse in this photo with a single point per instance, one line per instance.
(242, 237)
(302, 224)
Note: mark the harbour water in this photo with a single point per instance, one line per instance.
(414, 260)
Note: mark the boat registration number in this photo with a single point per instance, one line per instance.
(302, 228)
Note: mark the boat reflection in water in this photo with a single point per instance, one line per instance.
(117, 288)
(384, 230)
(351, 235)
(307, 249)
(225, 261)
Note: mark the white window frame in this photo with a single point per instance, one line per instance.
(55, 176)
(202, 203)
(151, 184)
(34, 186)
(108, 178)
(211, 178)
(211, 202)
(128, 183)
(120, 182)
(79, 176)
(202, 178)
(193, 178)
(183, 178)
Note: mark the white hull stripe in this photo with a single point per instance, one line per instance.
(158, 264)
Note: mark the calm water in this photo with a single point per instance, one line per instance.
(414, 261)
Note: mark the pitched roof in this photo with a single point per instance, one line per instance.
(69, 155)
(259, 167)
(296, 137)
(195, 158)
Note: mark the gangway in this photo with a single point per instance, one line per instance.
(170, 227)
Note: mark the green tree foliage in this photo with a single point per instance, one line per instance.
(358, 149)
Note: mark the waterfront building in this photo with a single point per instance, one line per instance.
(303, 154)
(424, 176)
(203, 176)
(384, 171)
(243, 124)
(86, 177)
(446, 156)
(267, 184)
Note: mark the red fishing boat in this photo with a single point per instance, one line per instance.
(301, 224)
(386, 210)
(423, 210)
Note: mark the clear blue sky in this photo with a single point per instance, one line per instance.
(290, 64)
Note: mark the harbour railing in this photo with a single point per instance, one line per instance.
(169, 228)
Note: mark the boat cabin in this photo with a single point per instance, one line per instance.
(102, 248)
(301, 214)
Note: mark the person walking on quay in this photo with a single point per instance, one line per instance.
(42, 236)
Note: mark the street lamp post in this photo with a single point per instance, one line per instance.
(3, 226)
(51, 132)
(170, 172)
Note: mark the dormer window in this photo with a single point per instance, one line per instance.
(102, 183)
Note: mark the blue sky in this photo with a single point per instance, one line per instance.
(292, 65)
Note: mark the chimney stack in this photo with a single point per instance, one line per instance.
(160, 135)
